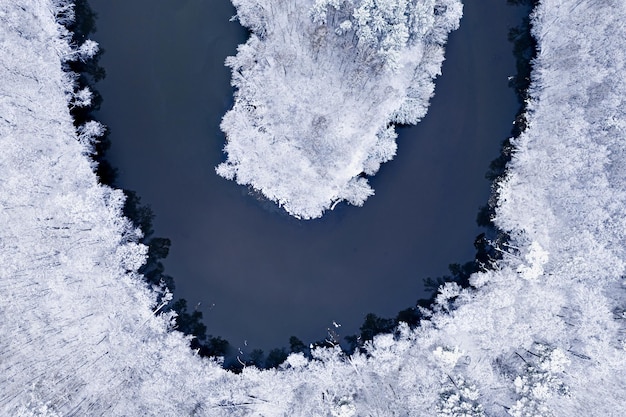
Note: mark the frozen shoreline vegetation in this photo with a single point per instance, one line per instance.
(80, 333)
(541, 334)
(320, 85)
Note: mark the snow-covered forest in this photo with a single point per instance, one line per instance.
(540, 333)
(320, 84)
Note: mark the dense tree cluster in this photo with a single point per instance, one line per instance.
(319, 87)
(540, 334)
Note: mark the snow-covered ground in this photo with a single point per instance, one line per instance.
(541, 334)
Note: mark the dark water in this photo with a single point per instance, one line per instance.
(260, 275)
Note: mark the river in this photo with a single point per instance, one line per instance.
(260, 275)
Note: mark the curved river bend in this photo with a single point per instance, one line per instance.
(260, 275)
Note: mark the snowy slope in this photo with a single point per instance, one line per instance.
(542, 334)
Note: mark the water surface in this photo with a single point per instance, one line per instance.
(260, 275)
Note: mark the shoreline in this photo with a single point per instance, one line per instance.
(193, 324)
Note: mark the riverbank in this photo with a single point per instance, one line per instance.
(196, 320)
(255, 275)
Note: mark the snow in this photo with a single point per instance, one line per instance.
(319, 86)
(540, 334)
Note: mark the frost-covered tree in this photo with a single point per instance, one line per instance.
(539, 380)
(459, 399)
(319, 86)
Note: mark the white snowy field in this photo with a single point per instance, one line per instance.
(319, 85)
(541, 334)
